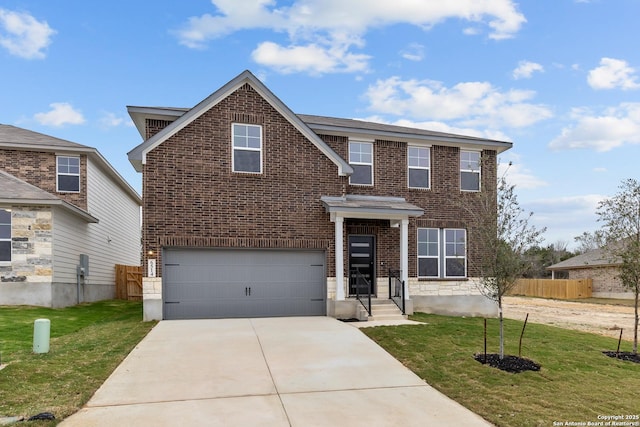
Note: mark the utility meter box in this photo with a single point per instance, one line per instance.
(84, 264)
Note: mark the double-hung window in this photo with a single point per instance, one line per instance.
(5, 235)
(361, 160)
(428, 252)
(469, 170)
(442, 253)
(68, 174)
(455, 253)
(419, 162)
(247, 148)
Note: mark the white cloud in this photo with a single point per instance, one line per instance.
(470, 103)
(526, 69)
(335, 27)
(613, 73)
(414, 52)
(111, 120)
(516, 173)
(61, 113)
(612, 128)
(24, 36)
(312, 58)
(565, 217)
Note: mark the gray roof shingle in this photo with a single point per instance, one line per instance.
(16, 189)
(15, 136)
(593, 258)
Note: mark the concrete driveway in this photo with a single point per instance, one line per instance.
(302, 371)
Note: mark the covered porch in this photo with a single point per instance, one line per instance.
(347, 211)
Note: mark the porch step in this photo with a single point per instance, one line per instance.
(384, 309)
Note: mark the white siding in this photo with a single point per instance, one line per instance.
(114, 240)
(69, 241)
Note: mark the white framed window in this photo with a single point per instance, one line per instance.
(247, 148)
(455, 252)
(361, 160)
(470, 170)
(5, 235)
(442, 253)
(68, 174)
(428, 252)
(419, 167)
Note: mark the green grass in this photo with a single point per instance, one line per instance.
(87, 343)
(576, 383)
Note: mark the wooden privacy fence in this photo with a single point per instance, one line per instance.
(553, 288)
(129, 282)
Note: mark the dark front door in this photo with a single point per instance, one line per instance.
(362, 258)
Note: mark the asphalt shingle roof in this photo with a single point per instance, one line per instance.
(594, 258)
(11, 135)
(16, 189)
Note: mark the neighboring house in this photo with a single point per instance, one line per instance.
(252, 210)
(62, 205)
(596, 265)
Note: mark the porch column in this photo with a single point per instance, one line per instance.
(404, 255)
(339, 243)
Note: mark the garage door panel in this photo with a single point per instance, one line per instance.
(201, 283)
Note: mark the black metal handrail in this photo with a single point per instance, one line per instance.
(396, 289)
(362, 281)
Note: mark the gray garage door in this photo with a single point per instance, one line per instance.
(212, 283)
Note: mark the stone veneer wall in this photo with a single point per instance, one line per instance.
(31, 235)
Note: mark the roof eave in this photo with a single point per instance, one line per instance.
(86, 216)
(499, 146)
(139, 115)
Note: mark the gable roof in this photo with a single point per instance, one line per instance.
(590, 259)
(138, 155)
(15, 138)
(18, 192)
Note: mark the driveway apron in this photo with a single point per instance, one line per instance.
(295, 371)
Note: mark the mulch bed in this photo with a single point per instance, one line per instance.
(623, 355)
(513, 364)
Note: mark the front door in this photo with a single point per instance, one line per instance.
(362, 257)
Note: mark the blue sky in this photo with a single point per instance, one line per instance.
(560, 79)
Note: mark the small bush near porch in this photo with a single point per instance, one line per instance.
(88, 342)
(575, 384)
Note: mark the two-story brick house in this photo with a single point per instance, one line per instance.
(252, 210)
(62, 207)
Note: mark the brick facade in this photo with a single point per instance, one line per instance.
(605, 279)
(193, 199)
(39, 169)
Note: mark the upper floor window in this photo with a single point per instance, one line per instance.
(247, 148)
(470, 170)
(442, 253)
(5, 235)
(419, 162)
(361, 159)
(68, 174)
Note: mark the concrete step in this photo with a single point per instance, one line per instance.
(385, 309)
(387, 317)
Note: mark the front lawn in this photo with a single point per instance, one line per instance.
(576, 383)
(87, 343)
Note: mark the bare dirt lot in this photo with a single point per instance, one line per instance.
(595, 318)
